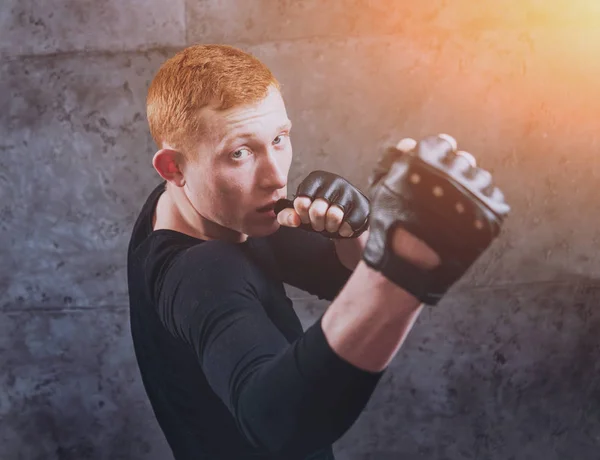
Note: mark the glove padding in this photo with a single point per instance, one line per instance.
(336, 191)
(425, 193)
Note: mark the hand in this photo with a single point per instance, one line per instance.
(439, 211)
(404, 244)
(328, 204)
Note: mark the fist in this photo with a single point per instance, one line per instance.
(326, 203)
(434, 195)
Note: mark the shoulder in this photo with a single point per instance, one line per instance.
(176, 265)
(206, 283)
(212, 261)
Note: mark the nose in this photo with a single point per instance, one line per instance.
(273, 171)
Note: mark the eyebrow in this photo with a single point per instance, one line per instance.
(286, 125)
(247, 134)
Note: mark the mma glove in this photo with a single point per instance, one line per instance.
(336, 191)
(454, 209)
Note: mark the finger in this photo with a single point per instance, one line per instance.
(302, 205)
(289, 218)
(467, 156)
(345, 230)
(448, 138)
(334, 218)
(463, 162)
(434, 149)
(406, 145)
(317, 212)
(497, 195)
(496, 201)
(482, 179)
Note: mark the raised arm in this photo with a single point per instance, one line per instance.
(293, 399)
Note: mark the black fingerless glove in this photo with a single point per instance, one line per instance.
(421, 192)
(335, 190)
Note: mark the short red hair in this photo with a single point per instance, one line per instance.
(199, 76)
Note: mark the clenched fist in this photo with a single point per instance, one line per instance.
(328, 204)
(434, 196)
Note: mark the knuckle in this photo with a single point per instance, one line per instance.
(302, 202)
(321, 202)
(406, 145)
(461, 164)
(316, 211)
(468, 157)
(448, 138)
(335, 212)
(484, 176)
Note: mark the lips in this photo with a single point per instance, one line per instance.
(267, 208)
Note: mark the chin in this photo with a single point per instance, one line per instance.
(258, 231)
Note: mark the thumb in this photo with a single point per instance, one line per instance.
(289, 218)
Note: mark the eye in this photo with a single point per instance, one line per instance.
(239, 154)
(279, 139)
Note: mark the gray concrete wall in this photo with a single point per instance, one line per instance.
(505, 368)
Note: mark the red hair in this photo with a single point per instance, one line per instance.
(216, 76)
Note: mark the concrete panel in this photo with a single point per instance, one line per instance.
(528, 117)
(70, 389)
(31, 27)
(74, 170)
(491, 374)
(258, 21)
(76, 150)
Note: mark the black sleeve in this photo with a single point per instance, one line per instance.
(287, 400)
(308, 261)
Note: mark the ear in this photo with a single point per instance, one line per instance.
(167, 163)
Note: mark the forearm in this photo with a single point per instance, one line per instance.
(369, 320)
(310, 394)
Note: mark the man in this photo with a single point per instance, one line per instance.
(226, 365)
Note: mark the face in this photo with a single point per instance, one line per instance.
(241, 166)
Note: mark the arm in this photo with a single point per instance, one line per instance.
(370, 319)
(287, 399)
(309, 261)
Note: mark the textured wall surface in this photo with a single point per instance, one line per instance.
(506, 367)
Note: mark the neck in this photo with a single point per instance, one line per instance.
(174, 211)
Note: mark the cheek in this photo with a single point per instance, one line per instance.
(233, 191)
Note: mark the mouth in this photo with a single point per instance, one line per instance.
(268, 208)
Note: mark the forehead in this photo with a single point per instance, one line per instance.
(267, 114)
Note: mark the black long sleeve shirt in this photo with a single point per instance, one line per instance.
(228, 370)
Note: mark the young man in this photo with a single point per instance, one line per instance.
(226, 365)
